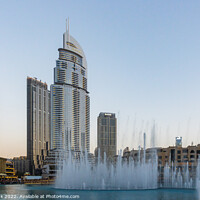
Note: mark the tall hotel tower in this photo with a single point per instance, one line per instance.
(107, 134)
(70, 102)
(38, 123)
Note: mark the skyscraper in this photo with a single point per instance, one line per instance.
(70, 102)
(107, 134)
(38, 123)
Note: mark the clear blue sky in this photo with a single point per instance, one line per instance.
(143, 64)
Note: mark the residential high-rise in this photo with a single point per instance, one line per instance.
(70, 102)
(107, 134)
(38, 123)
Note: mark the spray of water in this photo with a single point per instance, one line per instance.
(104, 175)
(77, 171)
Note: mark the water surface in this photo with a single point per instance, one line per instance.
(48, 192)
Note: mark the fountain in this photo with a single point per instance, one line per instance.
(121, 174)
(175, 178)
(81, 174)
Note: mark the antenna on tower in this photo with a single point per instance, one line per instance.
(66, 26)
(67, 36)
(68, 31)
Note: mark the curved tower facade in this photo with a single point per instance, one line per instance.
(70, 105)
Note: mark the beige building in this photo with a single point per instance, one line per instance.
(177, 155)
(2, 165)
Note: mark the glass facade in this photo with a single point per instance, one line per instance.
(38, 123)
(107, 134)
(70, 105)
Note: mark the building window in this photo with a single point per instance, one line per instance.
(185, 156)
(192, 151)
(185, 151)
(198, 151)
(82, 72)
(112, 122)
(103, 122)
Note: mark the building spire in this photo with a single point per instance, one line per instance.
(66, 27)
(68, 32)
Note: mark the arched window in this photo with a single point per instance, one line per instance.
(192, 151)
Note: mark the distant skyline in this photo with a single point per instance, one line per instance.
(143, 64)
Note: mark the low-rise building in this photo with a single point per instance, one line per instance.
(2, 169)
(21, 164)
(10, 170)
(53, 163)
(2, 165)
(176, 157)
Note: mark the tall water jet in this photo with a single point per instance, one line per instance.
(198, 178)
(140, 171)
(153, 133)
(144, 147)
(80, 173)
